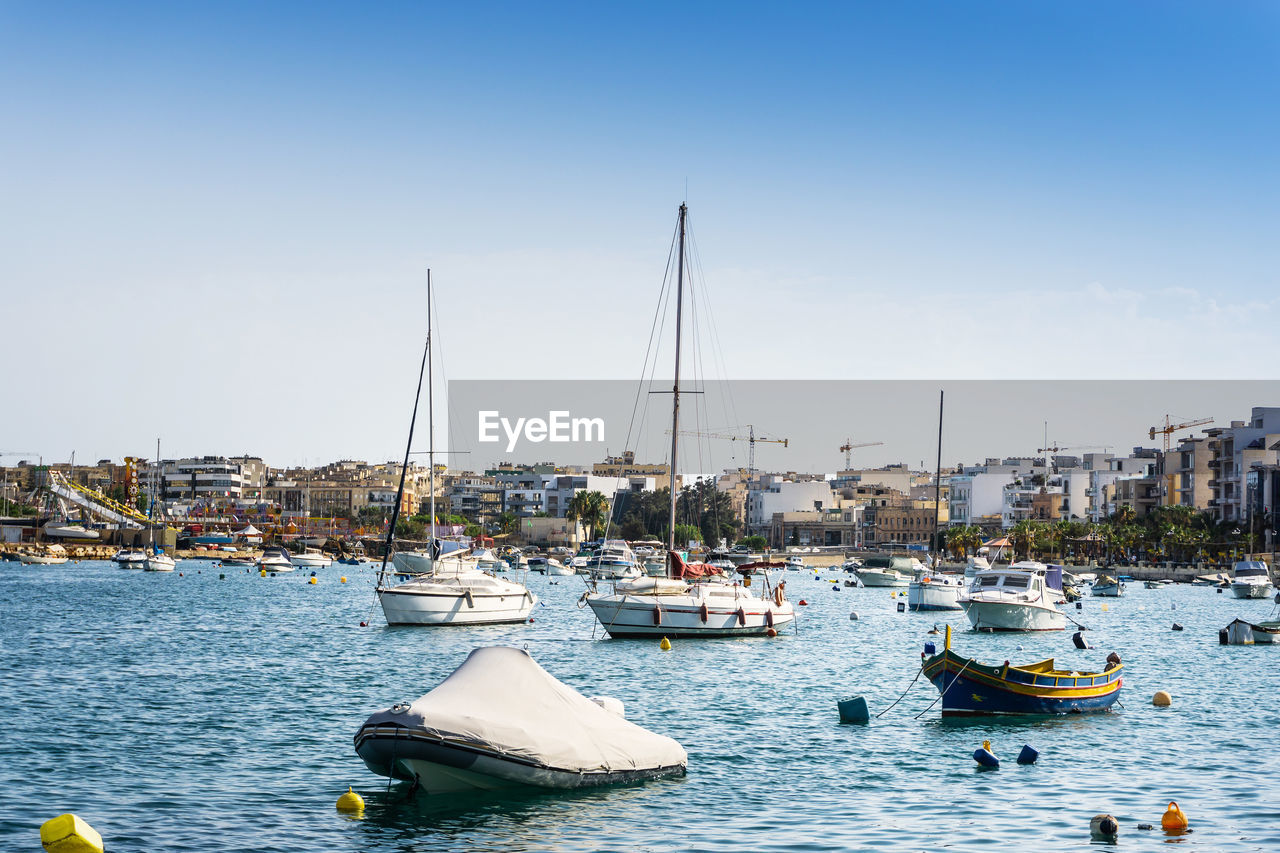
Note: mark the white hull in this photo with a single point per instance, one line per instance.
(41, 560)
(311, 561)
(1111, 590)
(277, 565)
(624, 615)
(159, 563)
(1013, 616)
(448, 607)
(875, 577)
(1252, 590)
(933, 596)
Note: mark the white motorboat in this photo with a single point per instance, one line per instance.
(614, 561)
(1251, 580)
(159, 561)
(487, 561)
(276, 558)
(555, 568)
(311, 558)
(456, 593)
(796, 563)
(1108, 586)
(931, 590)
(877, 570)
(851, 565)
(1014, 599)
(52, 555)
(501, 721)
(129, 559)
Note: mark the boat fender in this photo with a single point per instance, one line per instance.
(1173, 820)
(742, 616)
(657, 615)
(703, 612)
(1104, 826)
(768, 617)
(471, 602)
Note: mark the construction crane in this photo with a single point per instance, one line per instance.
(750, 438)
(1168, 430)
(848, 446)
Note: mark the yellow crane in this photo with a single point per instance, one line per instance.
(849, 446)
(1167, 430)
(750, 438)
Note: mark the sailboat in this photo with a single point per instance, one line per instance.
(692, 599)
(452, 590)
(157, 560)
(930, 589)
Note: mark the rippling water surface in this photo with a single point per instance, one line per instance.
(184, 712)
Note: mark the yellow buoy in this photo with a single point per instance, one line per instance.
(262, 573)
(313, 580)
(1105, 607)
(1161, 699)
(1173, 819)
(344, 578)
(67, 833)
(665, 645)
(350, 801)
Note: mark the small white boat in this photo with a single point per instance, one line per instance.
(888, 571)
(555, 568)
(1157, 583)
(1266, 633)
(276, 559)
(693, 601)
(931, 590)
(487, 561)
(456, 593)
(1014, 599)
(468, 734)
(53, 555)
(159, 561)
(129, 559)
(69, 531)
(311, 558)
(851, 565)
(795, 563)
(1251, 580)
(1108, 586)
(975, 564)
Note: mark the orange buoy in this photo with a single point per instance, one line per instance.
(1173, 820)
(803, 603)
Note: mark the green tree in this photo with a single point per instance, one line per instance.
(754, 542)
(589, 508)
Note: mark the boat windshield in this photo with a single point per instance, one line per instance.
(1016, 581)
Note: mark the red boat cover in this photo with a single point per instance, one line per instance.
(681, 569)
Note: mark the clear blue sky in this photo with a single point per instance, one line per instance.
(215, 218)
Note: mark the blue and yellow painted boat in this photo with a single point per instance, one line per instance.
(969, 688)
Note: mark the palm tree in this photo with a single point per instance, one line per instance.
(590, 508)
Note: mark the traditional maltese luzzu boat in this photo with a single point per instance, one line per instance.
(969, 688)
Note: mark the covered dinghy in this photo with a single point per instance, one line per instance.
(499, 721)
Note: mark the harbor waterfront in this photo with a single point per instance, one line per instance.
(187, 712)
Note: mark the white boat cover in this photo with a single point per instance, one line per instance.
(501, 699)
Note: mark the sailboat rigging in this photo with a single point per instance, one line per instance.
(693, 599)
(448, 588)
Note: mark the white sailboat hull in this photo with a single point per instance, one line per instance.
(875, 577)
(447, 607)
(675, 616)
(313, 561)
(159, 563)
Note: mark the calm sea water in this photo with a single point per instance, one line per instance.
(191, 713)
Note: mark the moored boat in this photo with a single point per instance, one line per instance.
(1018, 598)
(311, 558)
(969, 688)
(276, 558)
(468, 735)
(127, 558)
(1109, 586)
(1251, 579)
(52, 555)
(159, 561)
(931, 590)
(877, 570)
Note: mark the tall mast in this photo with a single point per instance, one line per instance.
(937, 487)
(675, 389)
(431, 428)
(395, 510)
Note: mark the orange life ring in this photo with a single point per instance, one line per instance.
(778, 597)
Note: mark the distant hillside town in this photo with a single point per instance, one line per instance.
(1230, 475)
